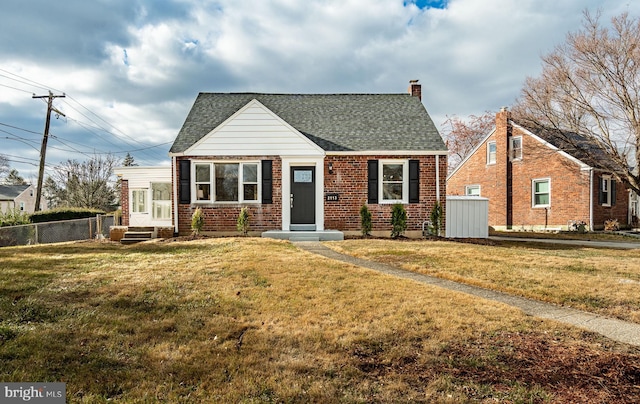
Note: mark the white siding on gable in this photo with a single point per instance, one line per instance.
(254, 131)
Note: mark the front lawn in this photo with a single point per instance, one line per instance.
(252, 320)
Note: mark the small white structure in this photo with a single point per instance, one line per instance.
(146, 196)
(467, 217)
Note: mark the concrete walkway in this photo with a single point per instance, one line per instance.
(617, 330)
(581, 243)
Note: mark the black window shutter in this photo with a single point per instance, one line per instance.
(601, 195)
(185, 181)
(267, 181)
(613, 191)
(414, 181)
(372, 181)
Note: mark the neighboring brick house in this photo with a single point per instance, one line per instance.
(307, 162)
(532, 184)
(19, 197)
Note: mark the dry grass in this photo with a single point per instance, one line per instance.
(604, 281)
(253, 320)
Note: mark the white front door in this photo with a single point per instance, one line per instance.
(139, 207)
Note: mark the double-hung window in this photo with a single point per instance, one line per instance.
(515, 148)
(491, 152)
(226, 181)
(394, 175)
(541, 193)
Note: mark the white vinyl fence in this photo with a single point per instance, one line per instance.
(56, 232)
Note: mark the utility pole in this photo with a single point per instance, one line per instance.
(45, 137)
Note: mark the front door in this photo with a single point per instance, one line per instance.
(303, 198)
(139, 207)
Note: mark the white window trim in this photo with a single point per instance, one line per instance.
(145, 192)
(405, 182)
(512, 155)
(607, 179)
(212, 185)
(533, 192)
(489, 162)
(162, 202)
(468, 187)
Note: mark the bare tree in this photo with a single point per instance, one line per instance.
(87, 184)
(589, 94)
(4, 166)
(462, 136)
(14, 178)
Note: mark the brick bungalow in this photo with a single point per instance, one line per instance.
(307, 162)
(535, 181)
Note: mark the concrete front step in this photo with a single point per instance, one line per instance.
(139, 234)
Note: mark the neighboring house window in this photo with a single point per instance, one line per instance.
(226, 182)
(541, 190)
(607, 193)
(22, 206)
(161, 200)
(491, 152)
(472, 190)
(139, 201)
(515, 148)
(394, 177)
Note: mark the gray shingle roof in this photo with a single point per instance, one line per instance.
(10, 192)
(335, 122)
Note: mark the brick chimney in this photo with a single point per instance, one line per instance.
(415, 89)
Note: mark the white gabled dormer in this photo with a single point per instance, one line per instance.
(254, 130)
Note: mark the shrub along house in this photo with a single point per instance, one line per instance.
(304, 164)
(536, 180)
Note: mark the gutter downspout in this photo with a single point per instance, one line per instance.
(174, 163)
(591, 199)
(438, 177)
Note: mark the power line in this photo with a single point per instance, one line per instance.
(16, 88)
(28, 81)
(18, 128)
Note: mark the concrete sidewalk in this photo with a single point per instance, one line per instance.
(617, 330)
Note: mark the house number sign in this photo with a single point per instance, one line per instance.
(333, 197)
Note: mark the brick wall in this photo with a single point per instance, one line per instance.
(124, 201)
(349, 181)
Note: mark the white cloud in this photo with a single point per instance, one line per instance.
(139, 65)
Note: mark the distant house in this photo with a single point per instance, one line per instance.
(145, 196)
(19, 197)
(306, 162)
(534, 181)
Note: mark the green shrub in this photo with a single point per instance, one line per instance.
(436, 218)
(13, 217)
(243, 221)
(398, 220)
(365, 221)
(197, 221)
(58, 214)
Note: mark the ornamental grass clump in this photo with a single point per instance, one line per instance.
(197, 221)
(243, 221)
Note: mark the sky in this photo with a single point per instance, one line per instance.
(130, 70)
